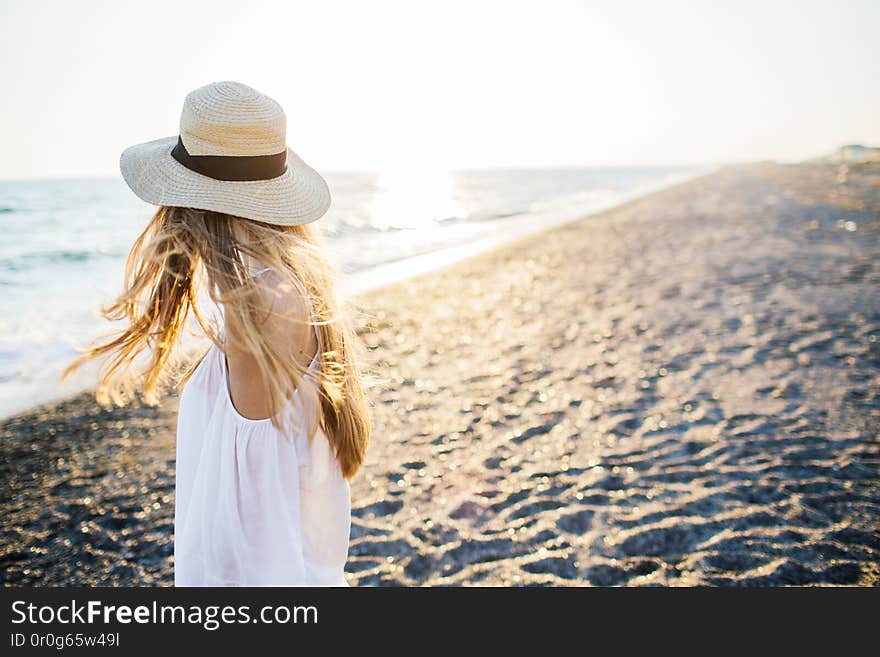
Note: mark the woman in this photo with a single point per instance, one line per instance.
(272, 421)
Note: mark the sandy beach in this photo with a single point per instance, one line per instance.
(679, 391)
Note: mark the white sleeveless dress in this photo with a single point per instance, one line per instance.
(254, 506)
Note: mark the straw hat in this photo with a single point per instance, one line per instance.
(230, 156)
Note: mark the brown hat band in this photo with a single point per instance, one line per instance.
(226, 167)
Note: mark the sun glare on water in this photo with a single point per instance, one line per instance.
(413, 198)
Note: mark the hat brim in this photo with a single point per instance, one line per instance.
(299, 196)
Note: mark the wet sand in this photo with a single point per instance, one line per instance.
(679, 391)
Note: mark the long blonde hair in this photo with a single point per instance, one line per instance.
(180, 250)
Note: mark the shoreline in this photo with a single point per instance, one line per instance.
(390, 273)
(396, 271)
(677, 391)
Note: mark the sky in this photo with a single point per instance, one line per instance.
(400, 85)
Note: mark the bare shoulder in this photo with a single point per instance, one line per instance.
(290, 334)
(288, 325)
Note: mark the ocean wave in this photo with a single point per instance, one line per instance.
(347, 229)
(57, 257)
(491, 216)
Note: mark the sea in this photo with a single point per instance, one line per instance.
(63, 245)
